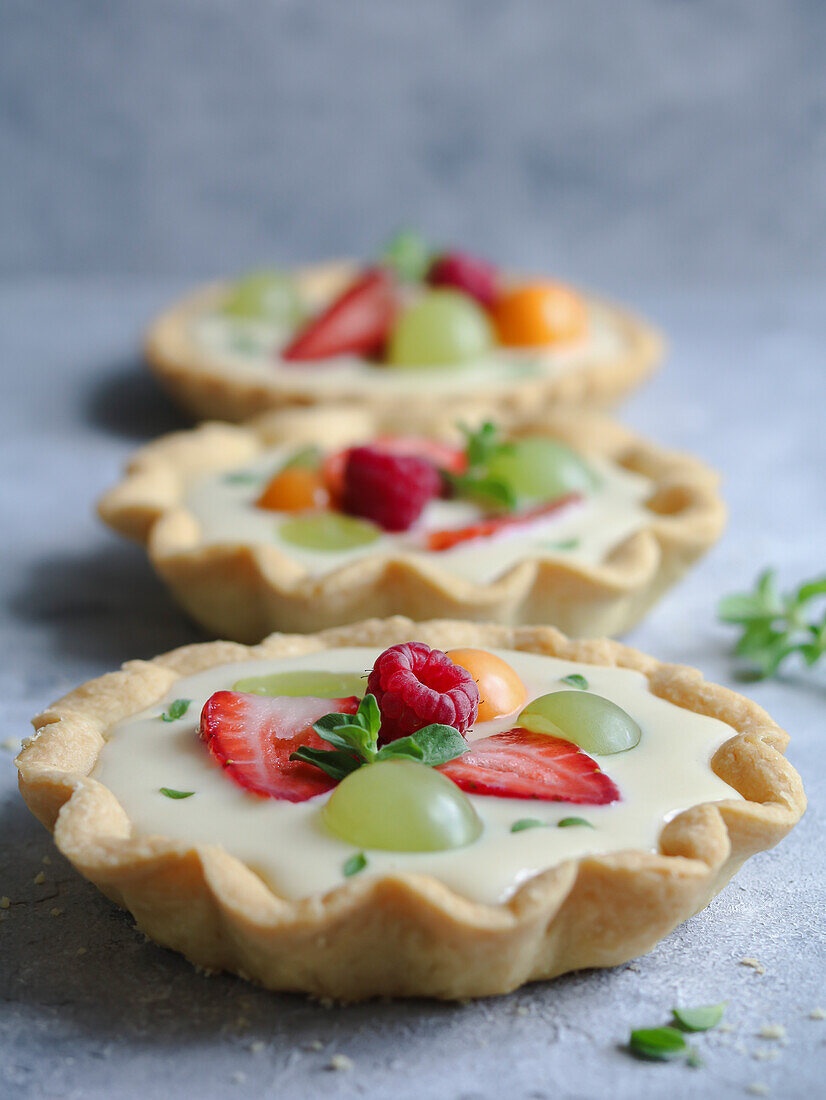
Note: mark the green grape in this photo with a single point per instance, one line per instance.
(595, 724)
(401, 806)
(539, 469)
(328, 531)
(408, 254)
(321, 685)
(443, 326)
(265, 296)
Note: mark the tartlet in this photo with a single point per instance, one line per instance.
(405, 932)
(223, 368)
(241, 587)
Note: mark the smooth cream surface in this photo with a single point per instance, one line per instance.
(226, 513)
(288, 845)
(250, 348)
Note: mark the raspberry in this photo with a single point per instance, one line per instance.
(466, 273)
(415, 686)
(390, 489)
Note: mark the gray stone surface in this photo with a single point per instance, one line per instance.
(643, 139)
(745, 389)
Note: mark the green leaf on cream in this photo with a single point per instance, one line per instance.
(568, 822)
(576, 681)
(527, 823)
(354, 864)
(177, 710)
(170, 792)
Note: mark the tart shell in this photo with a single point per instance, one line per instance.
(208, 389)
(405, 935)
(244, 592)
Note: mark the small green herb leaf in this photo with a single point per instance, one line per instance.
(242, 477)
(526, 823)
(481, 443)
(408, 254)
(176, 710)
(308, 457)
(564, 544)
(658, 1043)
(171, 793)
(701, 1018)
(354, 864)
(567, 822)
(576, 681)
(693, 1059)
(337, 763)
(485, 490)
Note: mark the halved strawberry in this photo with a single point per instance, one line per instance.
(452, 536)
(444, 456)
(521, 764)
(357, 322)
(252, 736)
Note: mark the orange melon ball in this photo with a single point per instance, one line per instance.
(500, 689)
(537, 314)
(296, 489)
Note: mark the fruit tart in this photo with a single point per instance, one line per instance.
(441, 809)
(305, 519)
(413, 327)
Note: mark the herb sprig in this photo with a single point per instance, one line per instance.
(355, 737)
(774, 625)
(177, 709)
(481, 444)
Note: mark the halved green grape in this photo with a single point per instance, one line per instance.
(328, 531)
(321, 685)
(594, 723)
(401, 806)
(443, 326)
(265, 296)
(541, 469)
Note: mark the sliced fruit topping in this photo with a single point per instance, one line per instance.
(452, 536)
(537, 469)
(357, 323)
(328, 531)
(500, 689)
(590, 721)
(295, 489)
(389, 489)
(415, 686)
(265, 296)
(322, 685)
(253, 736)
(442, 327)
(401, 806)
(522, 764)
(539, 314)
(472, 276)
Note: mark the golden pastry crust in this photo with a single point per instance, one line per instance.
(209, 389)
(405, 935)
(244, 592)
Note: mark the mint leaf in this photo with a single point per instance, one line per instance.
(564, 544)
(526, 823)
(337, 763)
(403, 748)
(701, 1018)
(657, 1043)
(408, 254)
(480, 443)
(440, 743)
(242, 477)
(170, 792)
(576, 681)
(354, 864)
(485, 490)
(308, 457)
(176, 710)
(568, 822)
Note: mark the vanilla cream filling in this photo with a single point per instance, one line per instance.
(583, 532)
(251, 348)
(288, 845)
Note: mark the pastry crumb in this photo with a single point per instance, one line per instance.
(39, 878)
(522, 1010)
(725, 1026)
(766, 1055)
(755, 964)
(632, 966)
(257, 1046)
(81, 951)
(815, 1014)
(314, 1044)
(12, 744)
(757, 1088)
(46, 861)
(56, 912)
(341, 1063)
(5, 902)
(326, 1002)
(239, 1078)
(772, 1031)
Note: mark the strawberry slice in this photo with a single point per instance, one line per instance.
(452, 536)
(252, 736)
(444, 456)
(357, 322)
(521, 764)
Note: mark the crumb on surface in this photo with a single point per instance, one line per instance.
(46, 861)
(818, 1014)
(766, 1054)
(12, 744)
(238, 1078)
(755, 964)
(757, 1088)
(39, 878)
(772, 1031)
(257, 1046)
(56, 912)
(341, 1063)
(724, 1026)
(522, 1010)
(5, 902)
(81, 951)
(313, 1044)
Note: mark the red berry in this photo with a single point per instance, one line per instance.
(473, 276)
(521, 764)
(252, 736)
(486, 528)
(416, 686)
(358, 321)
(389, 489)
(444, 456)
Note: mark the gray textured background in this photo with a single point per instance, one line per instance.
(672, 152)
(651, 139)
